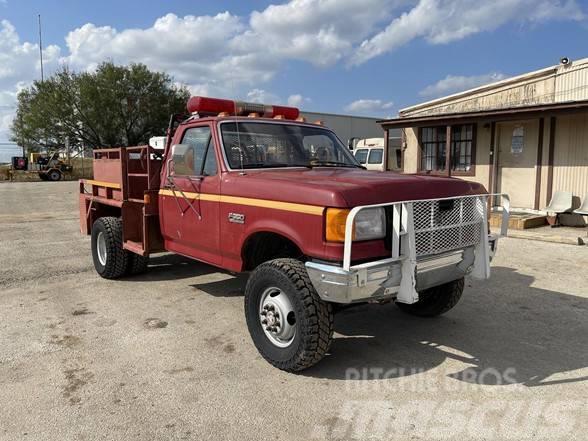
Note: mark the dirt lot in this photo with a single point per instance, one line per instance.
(167, 355)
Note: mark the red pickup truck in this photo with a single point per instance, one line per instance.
(254, 188)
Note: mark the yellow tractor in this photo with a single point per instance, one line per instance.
(51, 168)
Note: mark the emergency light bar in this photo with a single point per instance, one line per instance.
(204, 105)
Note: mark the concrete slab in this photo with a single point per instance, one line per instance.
(167, 356)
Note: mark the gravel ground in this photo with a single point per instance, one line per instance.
(167, 355)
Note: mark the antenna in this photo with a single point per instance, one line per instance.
(239, 142)
(237, 126)
(41, 49)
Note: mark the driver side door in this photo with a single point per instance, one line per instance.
(190, 199)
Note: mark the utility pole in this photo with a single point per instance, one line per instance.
(22, 141)
(41, 58)
(41, 49)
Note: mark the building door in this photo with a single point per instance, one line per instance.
(517, 155)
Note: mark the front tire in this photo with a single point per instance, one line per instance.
(54, 175)
(289, 324)
(435, 301)
(110, 259)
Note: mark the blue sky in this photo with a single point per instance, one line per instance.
(368, 57)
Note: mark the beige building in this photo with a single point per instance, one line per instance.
(526, 136)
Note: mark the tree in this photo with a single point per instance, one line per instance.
(113, 106)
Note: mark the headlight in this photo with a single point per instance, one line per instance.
(369, 224)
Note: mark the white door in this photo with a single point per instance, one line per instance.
(517, 156)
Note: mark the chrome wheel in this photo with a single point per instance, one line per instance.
(101, 248)
(277, 317)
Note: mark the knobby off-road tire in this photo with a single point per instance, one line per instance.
(110, 259)
(136, 264)
(312, 317)
(435, 301)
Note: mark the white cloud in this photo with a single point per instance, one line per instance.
(262, 96)
(298, 100)
(369, 106)
(456, 83)
(190, 47)
(19, 65)
(318, 31)
(231, 56)
(20, 61)
(444, 21)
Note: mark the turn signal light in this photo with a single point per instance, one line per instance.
(335, 224)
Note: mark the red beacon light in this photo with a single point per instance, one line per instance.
(215, 106)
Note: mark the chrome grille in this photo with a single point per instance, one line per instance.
(447, 225)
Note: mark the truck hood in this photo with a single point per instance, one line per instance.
(343, 187)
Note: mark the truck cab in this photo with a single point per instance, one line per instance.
(255, 188)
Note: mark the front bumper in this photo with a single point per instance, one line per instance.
(382, 280)
(401, 276)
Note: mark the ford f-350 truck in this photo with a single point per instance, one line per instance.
(254, 188)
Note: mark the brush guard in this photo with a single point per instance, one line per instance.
(434, 241)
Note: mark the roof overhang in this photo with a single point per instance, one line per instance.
(503, 114)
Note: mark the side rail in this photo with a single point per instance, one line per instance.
(424, 228)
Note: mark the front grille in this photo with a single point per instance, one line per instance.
(442, 226)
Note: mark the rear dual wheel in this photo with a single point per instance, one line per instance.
(111, 260)
(289, 324)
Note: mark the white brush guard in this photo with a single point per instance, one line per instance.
(434, 241)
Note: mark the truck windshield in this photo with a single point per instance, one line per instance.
(269, 145)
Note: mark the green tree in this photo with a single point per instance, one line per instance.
(113, 106)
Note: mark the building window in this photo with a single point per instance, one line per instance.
(462, 148)
(433, 149)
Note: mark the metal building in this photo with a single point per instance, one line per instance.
(349, 127)
(526, 136)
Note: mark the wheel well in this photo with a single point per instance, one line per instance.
(264, 246)
(101, 210)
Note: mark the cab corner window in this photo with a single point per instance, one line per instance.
(195, 155)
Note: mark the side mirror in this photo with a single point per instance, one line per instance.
(352, 142)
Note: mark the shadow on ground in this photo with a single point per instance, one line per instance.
(521, 336)
(233, 286)
(172, 267)
(175, 267)
(507, 330)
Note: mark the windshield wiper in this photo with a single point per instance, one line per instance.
(272, 165)
(333, 164)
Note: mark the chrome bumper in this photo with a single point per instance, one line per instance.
(382, 280)
(401, 276)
